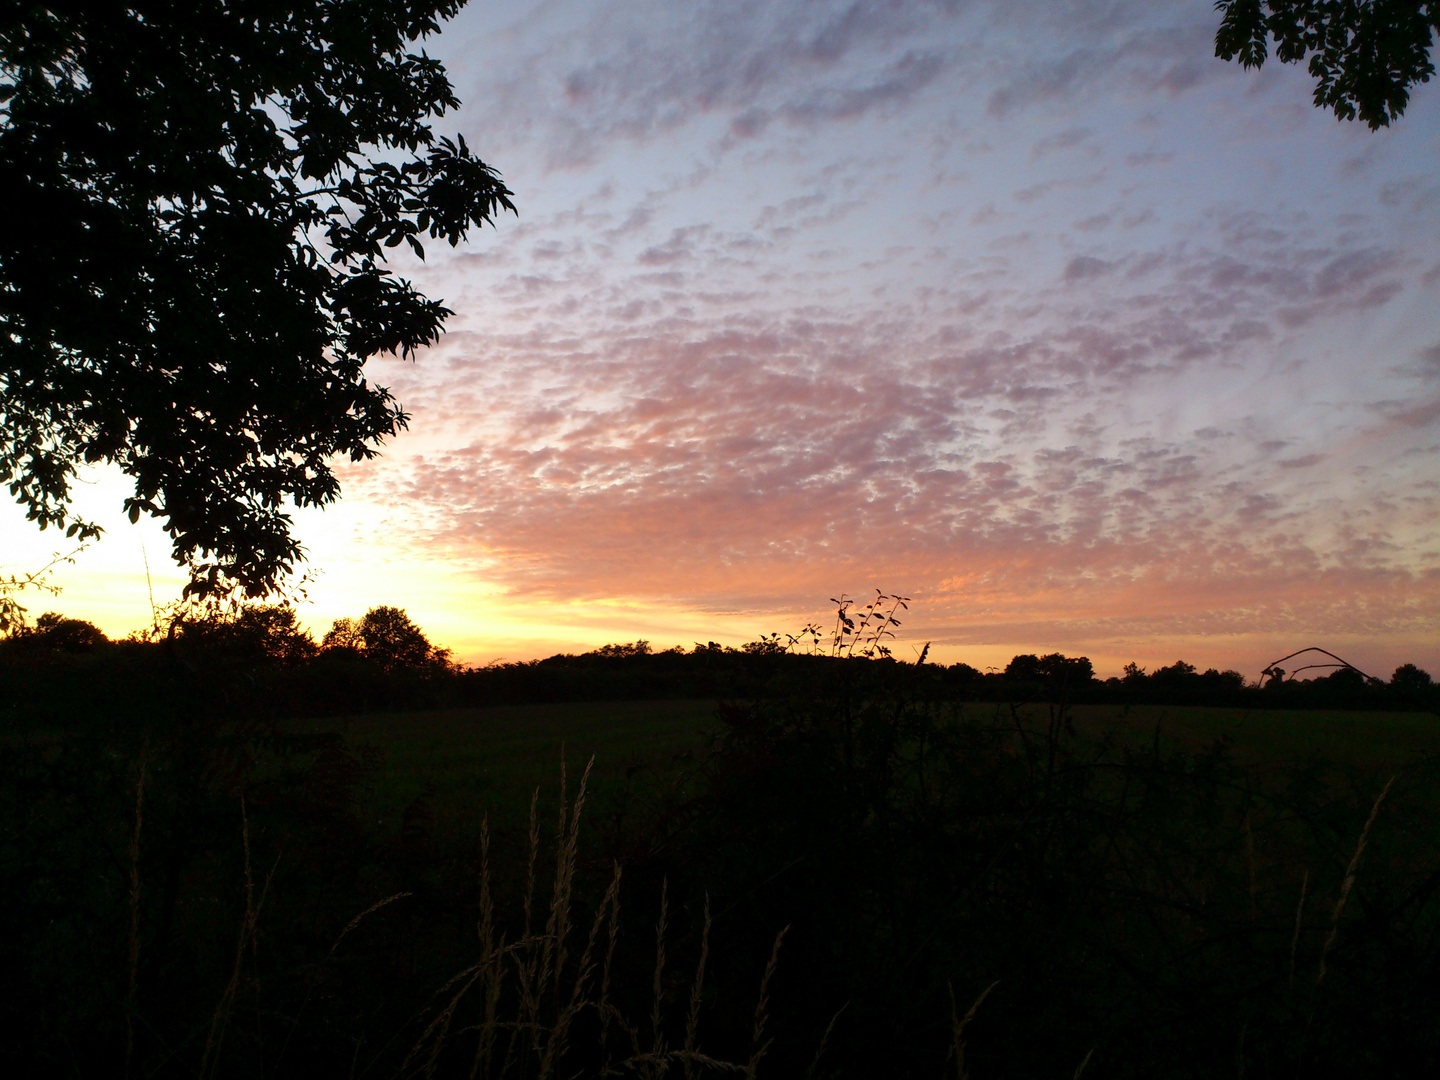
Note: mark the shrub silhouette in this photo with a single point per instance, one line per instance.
(54, 631)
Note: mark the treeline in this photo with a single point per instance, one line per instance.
(260, 658)
(760, 669)
(257, 662)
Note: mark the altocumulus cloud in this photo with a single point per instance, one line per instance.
(1032, 323)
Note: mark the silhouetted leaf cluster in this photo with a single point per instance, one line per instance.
(193, 274)
(1364, 54)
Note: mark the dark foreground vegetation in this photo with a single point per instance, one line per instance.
(222, 856)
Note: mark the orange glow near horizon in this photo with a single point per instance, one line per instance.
(979, 619)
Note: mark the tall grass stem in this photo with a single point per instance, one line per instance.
(759, 1044)
(132, 983)
(1349, 882)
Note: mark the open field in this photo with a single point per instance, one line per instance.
(471, 762)
(475, 761)
(1276, 737)
(1125, 888)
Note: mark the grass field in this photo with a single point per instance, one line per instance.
(470, 762)
(1365, 740)
(1167, 907)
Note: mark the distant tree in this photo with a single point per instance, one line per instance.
(1072, 671)
(1025, 667)
(1228, 680)
(1054, 669)
(1345, 679)
(635, 648)
(961, 677)
(1177, 673)
(712, 647)
(343, 634)
(1364, 54)
(392, 640)
(200, 197)
(386, 636)
(54, 631)
(1409, 679)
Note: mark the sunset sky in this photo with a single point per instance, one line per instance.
(1032, 311)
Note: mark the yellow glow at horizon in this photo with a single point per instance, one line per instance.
(358, 559)
(353, 566)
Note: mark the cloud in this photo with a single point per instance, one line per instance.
(636, 72)
(1412, 414)
(1122, 50)
(1085, 267)
(1094, 222)
(1429, 358)
(1061, 140)
(677, 249)
(744, 458)
(892, 293)
(1352, 272)
(1148, 157)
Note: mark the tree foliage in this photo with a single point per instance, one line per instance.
(1364, 54)
(54, 631)
(254, 633)
(386, 636)
(202, 197)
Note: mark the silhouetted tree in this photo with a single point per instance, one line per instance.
(1071, 670)
(343, 634)
(268, 632)
(1055, 672)
(1026, 666)
(1177, 674)
(201, 195)
(387, 637)
(1409, 679)
(54, 631)
(635, 648)
(1364, 54)
(1228, 680)
(1413, 687)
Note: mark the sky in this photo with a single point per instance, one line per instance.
(1034, 312)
